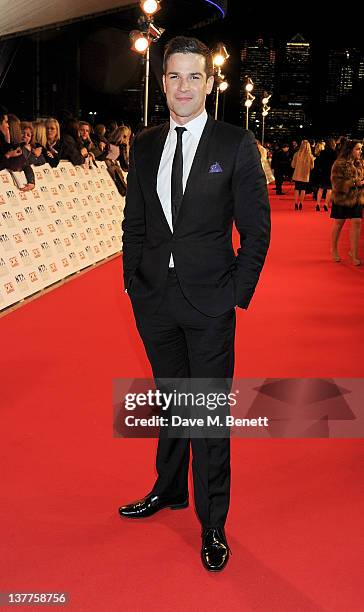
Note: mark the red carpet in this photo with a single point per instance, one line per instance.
(297, 505)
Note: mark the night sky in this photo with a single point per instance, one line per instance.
(87, 65)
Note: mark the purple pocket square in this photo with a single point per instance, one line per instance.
(215, 168)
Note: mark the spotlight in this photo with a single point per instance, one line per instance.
(140, 42)
(223, 86)
(220, 56)
(150, 7)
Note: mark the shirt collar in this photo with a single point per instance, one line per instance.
(196, 126)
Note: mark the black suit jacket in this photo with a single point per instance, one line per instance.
(212, 278)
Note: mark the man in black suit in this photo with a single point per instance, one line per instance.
(188, 181)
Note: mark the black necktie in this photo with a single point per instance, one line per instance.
(177, 176)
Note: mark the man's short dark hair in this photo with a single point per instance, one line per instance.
(3, 112)
(184, 44)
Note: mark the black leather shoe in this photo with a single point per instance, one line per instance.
(151, 504)
(215, 550)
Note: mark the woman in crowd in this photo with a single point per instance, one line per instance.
(265, 163)
(11, 150)
(100, 132)
(324, 165)
(72, 147)
(53, 143)
(121, 137)
(27, 132)
(8, 151)
(117, 158)
(111, 126)
(347, 177)
(39, 141)
(281, 166)
(314, 176)
(14, 128)
(302, 162)
(34, 151)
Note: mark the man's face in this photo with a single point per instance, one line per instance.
(186, 86)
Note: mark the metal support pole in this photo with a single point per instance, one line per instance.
(263, 129)
(146, 87)
(217, 101)
(37, 77)
(247, 118)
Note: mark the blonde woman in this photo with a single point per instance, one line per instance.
(53, 145)
(38, 143)
(121, 138)
(39, 134)
(32, 151)
(53, 131)
(14, 129)
(302, 162)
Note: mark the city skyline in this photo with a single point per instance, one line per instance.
(88, 66)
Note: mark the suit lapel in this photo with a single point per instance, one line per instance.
(198, 168)
(156, 150)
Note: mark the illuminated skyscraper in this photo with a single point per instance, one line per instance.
(257, 62)
(343, 70)
(295, 77)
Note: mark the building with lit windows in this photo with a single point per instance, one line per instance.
(341, 74)
(295, 77)
(258, 61)
(285, 72)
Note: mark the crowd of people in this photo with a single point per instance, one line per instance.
(333, 171)
(24, 144)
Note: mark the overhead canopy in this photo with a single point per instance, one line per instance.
(18, 16)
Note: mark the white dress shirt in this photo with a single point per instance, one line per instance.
(190, 141)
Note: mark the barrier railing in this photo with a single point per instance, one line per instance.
(71, 220)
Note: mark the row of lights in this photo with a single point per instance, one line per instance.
(219, 58)
(148, 33)
(143, 38)
(249, 99)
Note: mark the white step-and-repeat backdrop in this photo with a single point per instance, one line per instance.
(71, 220)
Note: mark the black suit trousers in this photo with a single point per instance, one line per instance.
(183, 343)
